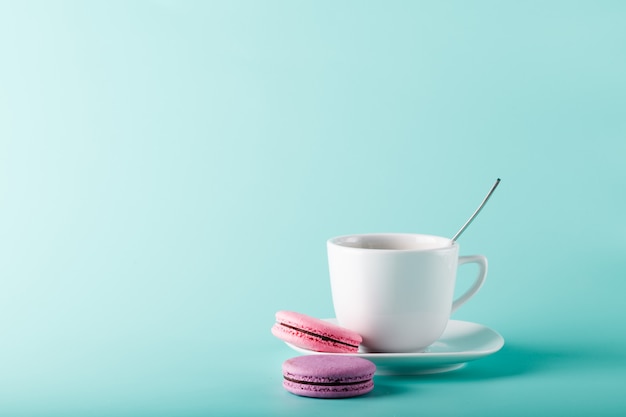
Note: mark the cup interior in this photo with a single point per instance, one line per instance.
(393, 241)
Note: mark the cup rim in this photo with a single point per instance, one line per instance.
(334, 241)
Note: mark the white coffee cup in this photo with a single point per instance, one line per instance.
(396, 289)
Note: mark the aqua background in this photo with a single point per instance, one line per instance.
(171, 170)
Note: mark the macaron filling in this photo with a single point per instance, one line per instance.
(327, 384)
(319, 336)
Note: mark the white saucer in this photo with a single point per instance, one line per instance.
(461, 342)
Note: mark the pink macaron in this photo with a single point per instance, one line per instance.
(314, 334)
(328, 376)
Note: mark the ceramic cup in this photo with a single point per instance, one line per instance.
(396, 290)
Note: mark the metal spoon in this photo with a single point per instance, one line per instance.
(467, 223)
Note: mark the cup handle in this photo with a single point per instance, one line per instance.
(480, 279)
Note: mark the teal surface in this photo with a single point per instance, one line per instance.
(171, 170)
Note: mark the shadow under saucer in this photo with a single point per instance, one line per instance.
(510, 361)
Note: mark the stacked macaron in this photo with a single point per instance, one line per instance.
(319, 375)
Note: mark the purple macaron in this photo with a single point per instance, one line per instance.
(328, 376)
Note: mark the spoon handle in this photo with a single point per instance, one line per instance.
(467, 223)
